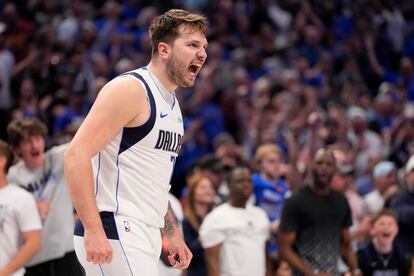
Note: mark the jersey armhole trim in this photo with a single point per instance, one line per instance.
(132, 135)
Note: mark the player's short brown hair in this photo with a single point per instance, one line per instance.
(164, 28)
(21, 129)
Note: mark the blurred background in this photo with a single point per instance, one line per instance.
(297, 74)
(300, 74)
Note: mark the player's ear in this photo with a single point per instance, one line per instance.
(163, 50)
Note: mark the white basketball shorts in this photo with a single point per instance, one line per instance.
(136, 247)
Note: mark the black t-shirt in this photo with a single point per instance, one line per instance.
(318, 222)
(373, 263)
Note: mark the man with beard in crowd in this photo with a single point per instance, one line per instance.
(314, 224)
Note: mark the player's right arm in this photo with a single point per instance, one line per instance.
(121, 103)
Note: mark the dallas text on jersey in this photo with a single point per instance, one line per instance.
(169, 141)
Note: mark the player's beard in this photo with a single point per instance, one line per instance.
(176, 72)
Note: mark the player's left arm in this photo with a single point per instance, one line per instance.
(180, 256)
(348, 254)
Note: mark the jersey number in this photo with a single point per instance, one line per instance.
(173, 159)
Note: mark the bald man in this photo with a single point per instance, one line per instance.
(314, 224)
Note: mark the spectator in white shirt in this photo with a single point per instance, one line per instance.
(234, 234)
(19, 221)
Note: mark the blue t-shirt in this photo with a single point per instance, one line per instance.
(269, 196)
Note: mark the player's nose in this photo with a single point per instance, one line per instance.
(202, 54)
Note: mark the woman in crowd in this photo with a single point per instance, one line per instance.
(200, 202)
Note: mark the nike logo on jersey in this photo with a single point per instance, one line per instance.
(163, 115)
(169, 141)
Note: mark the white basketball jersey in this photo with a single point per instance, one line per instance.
(132, 173)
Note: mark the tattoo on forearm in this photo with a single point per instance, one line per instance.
(170, 222)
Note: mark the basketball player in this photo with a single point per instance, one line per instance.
(133, 134)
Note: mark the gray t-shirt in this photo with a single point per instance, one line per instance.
(48, 183)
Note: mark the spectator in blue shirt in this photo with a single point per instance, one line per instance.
(270, 189)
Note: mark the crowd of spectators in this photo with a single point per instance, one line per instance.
(299, 75)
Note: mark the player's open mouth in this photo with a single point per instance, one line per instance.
(194, 69)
